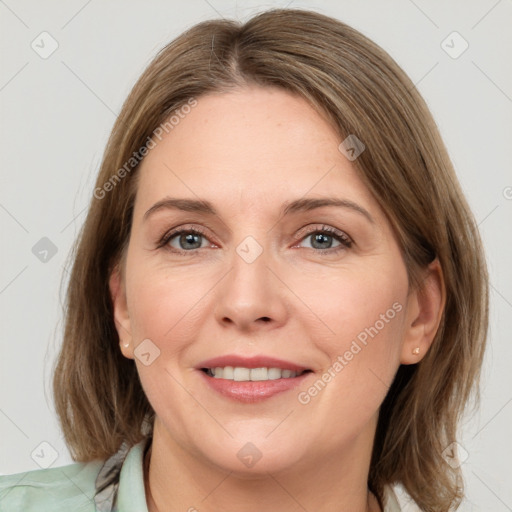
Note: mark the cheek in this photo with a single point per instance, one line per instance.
(164, 307)
(355, 303)
(162, 303)
(360, 335)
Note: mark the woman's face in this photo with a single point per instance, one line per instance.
(261, 280)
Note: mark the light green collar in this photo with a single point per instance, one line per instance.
(131, 495)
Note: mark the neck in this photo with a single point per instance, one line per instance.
(176, 481)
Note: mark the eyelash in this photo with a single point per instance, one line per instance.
(345, 240)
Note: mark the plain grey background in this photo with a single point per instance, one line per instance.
(58, 108)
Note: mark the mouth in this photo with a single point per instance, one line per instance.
(241, 374)
(251, 380)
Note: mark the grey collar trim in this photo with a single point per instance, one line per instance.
(107, 481)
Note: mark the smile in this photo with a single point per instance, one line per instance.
(241, 374)
(251, 385)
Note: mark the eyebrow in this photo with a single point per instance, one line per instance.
(296, 206)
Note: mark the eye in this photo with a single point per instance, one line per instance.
(189, 239)
(184, 240)
(322, 239)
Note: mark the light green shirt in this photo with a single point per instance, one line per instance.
(115, 485)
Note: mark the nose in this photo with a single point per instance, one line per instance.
(251, 297)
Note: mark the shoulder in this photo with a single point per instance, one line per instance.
(65, 488)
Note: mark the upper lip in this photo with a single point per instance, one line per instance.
(250, 362)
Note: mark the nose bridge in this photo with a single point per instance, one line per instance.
(250, 292)
(250, 249)
(249, 282)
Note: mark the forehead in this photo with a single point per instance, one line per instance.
(253, 146)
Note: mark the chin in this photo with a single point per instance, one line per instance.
(254, 458)
(257, 469)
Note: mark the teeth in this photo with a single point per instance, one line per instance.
(259, 374)
(228, 372)
(240, 374)
(274, 373)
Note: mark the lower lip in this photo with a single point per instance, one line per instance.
(252, 391)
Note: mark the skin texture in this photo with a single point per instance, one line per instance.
(248, 152)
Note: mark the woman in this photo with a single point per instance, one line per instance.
(279, 296)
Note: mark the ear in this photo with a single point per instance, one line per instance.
(425, 306)
(121, 316)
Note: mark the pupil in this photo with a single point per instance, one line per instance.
(190, 238)
(323, 239)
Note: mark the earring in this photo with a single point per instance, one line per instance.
(416, 351)
(126, 345)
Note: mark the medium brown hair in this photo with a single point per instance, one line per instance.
(361, 91)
